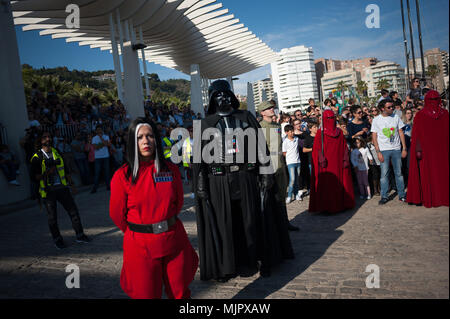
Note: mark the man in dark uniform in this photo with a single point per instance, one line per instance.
(236, 233)
(50, 172)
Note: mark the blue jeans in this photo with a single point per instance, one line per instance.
(396, 158)
(101, 163)
(294, 171)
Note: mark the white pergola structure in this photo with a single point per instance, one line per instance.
(196, 37)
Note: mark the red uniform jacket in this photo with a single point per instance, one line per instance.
(149, 202)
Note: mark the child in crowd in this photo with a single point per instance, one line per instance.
(360, 158)
(309, 142)
(290, 150)
(374, 168)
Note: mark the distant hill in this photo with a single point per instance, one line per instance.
(71, 82)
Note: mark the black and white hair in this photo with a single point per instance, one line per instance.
(132, 153)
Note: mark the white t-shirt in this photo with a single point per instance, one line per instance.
(283, 133)
(103, 152)
(291, 149)
(387, 131)
(360, 158)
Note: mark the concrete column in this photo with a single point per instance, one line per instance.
(134, 99)
(144, 63)
(264, 94)
(196, 90)
(250, 100)
(13, 112)
(116, 59)
(119, 27)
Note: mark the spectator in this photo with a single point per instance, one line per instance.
(336, 106)
(384, 95)
(390, 145)
(32, 121)
(290, 151)
(374, 168)
(9, 165)
(414, 93)
(79, 154)
(360, 158)
(357, 127)
(101, 143)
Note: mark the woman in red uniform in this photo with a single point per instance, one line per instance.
(146, 196)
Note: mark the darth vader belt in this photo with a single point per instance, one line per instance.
(156, 228)
(229, 169)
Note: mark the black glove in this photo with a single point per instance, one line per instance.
(202, 186)
(266, 181)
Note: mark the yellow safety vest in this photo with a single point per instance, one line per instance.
(187, 153)
(59, 169)
(167, 148)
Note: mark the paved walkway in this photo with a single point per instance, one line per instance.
(409, 244)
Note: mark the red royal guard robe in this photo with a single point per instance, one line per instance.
(428, 181)
(331, 187)
(151, 259)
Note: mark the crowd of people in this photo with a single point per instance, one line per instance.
(90, 136)
(374, 177)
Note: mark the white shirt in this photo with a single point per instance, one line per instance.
(283, 133)
(291, 149)
(387, 128)
(360, 158)
(103, 152)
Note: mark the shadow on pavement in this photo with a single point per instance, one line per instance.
(318, 231)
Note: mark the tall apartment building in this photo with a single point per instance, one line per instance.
(323, 66)
(390, 71)
(262, 90)
(294, 78)
(330, 81)
(433, 57)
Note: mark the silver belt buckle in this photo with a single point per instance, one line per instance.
(234, 168)
(160, 227)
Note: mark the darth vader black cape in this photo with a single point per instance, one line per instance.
(234, 236)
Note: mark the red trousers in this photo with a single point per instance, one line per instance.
(142, 277)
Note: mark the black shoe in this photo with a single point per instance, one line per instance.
(83, 239)
(94, 190)
(59, 243)
(383, 201)
(292, 227)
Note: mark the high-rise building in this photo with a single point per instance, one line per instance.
(433, 57)
(390, 71)
(294, 78)
(262, 90)
(324, 66)
(331, 80)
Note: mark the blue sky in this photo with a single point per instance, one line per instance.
(334, 29)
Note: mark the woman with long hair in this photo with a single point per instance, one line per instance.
(146, 197)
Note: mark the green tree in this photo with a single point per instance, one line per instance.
(383, 84)
(433, 71)
(361, 88)
(342, 87)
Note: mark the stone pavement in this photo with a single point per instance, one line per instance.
(409, 244)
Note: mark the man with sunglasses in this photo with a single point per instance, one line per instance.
(389, 141)
(415, 93)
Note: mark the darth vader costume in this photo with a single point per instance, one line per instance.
(239, 231)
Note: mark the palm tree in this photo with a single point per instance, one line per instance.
(342, 87)
(433, 71)
(383, 84)
(361, 88)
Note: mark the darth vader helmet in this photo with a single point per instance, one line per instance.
(221, 99)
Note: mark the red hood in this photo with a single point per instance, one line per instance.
(432, 106)
(329, 124)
